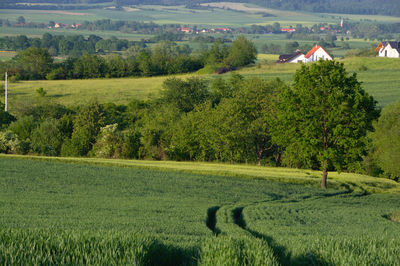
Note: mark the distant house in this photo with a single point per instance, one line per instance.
(390, 49)
(317, 53)
(380, 46)
(185, 29)
(288, 30)
(296, 57)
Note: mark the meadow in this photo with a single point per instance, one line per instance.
(91, 211)
(222, 14)
(379, 77)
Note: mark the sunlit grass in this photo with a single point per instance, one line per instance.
(346, 181)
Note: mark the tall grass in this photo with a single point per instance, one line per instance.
(55, 247)
(236, 251)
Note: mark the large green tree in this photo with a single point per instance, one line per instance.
(323, 119)
(34, 62)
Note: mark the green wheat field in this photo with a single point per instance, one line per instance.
(98, 211)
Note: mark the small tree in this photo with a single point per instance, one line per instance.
(324, 117)
(21, 20)
(242, 52)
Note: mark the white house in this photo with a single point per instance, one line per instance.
(317, 53)
(390, 49)
(296, 57)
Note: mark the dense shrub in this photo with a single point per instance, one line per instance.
(386, 141)
(47, 138)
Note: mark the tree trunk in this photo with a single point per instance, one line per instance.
(324, 175)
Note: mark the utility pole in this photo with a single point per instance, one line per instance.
(6, 106)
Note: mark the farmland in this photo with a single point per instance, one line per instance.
(213, 205)
(70, 201)
(234, 14)
(379, 76)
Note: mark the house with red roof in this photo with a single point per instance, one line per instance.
(389, 49)
(288, 30)
(317, 53)
(185, 29)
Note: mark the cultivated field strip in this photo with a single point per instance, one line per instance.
(310, 178)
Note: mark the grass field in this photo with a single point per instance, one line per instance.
(66, 210)
(380, 77)
(238, 15)
(7, 55)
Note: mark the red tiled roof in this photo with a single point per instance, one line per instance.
(312, 51)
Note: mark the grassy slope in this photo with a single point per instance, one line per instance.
(302, 226)
(343, 181)
(381, 80)
(172, 205)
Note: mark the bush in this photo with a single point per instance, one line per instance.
(5, 117)
(109, 142)
(9, 143)
(23, 127)
(47, 138)
(386, 141)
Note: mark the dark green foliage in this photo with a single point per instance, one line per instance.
(184, 94)
(5, 117)
(386, 141)
(44, 110)
(131, 147)
(323, 120)
(87, 124)
(34, 62)
(234, 127)
(164, 57)
(156, 130)
(23, 127)
(41, 92)
(89, 66)
(47, 138)
(242, 52)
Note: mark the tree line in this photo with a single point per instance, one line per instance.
(320, 123)
(73, 45)
(162, 58)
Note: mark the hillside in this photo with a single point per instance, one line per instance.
(365, 7)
